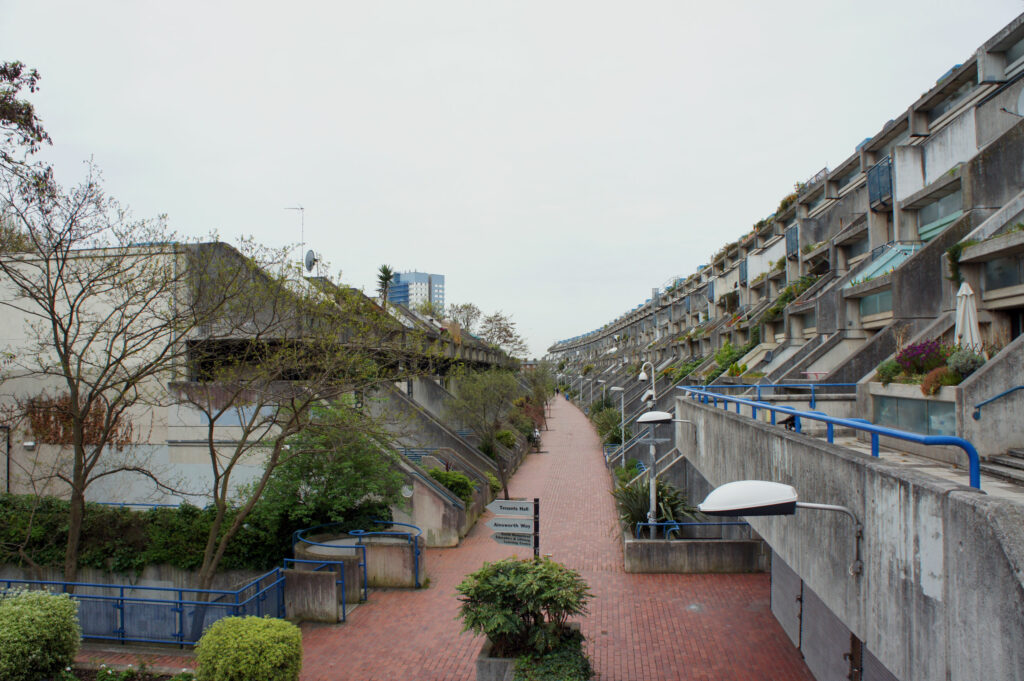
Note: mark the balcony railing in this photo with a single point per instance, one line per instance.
(880, 184)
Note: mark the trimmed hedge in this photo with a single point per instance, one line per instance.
(457, 483)
(39, 634)
(249, 648)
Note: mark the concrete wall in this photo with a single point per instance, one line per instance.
(311, 596)
(694, 556)
(442, 519)
(1000, 426)
(941, 594)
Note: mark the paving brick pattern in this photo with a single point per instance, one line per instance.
(640, 627)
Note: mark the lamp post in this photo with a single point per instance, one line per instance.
(643, 377)
(622, 419)
(602, 382)
(651, 419)
(761, 497)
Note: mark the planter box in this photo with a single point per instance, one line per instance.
(947, 393)
(499, 668)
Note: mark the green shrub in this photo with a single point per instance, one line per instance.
(457, 483)
(633, 502)
(608, 422)
(965, 362)
(39, 634)
(507, 438)
(493, 482)
(249, 648)
(567, 662)
(887, 371)
(522, 606)
(627, 473)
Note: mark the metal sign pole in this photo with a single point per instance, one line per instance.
(536, 528)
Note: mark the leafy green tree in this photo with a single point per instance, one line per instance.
(500, 331)
(339, 467)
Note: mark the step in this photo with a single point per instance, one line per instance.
(1009, 461)
(1004, 472)
(1016, 453)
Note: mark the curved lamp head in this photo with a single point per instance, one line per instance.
(653, 418)
(750, 498)
(648, 396)
(615, 389)
(642, 376)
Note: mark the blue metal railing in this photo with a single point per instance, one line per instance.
(125, 617)
(979, 405)
(322, 564)
(706, 396)
(813, 387)
(678, 526)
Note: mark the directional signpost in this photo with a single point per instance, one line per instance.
(516, 531)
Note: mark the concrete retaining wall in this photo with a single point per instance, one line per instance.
(694, 556)
(941, 595)
(311, 596)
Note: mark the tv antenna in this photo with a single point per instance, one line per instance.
(302, 225)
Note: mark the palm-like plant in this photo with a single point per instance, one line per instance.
(385, 278)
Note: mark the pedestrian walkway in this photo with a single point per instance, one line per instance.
(656, 627)
(640, 627)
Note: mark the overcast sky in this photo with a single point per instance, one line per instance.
(554, 160)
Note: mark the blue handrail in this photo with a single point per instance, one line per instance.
(677, 526)
(813, 387)
(978, 406)
(299, 536)
(704, 396)
(410, 539)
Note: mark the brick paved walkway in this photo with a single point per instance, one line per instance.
(640, 627)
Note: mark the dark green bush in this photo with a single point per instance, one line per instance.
(567, 662)
(633, 502)
(522, 606)
(493, 482)
(887, 371)
(249, 648)
(457, 483)
(39, 634)
(507, 438)
(628, 472)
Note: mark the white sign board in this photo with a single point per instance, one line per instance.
(512, 507)
(510, 539)
(516, 525)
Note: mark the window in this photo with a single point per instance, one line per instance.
(950, 101)
(810, 320)
(1003, 272)
(937, 215)
(927, 417)
(876, 303)
(847, 178)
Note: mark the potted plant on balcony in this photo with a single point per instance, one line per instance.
(522, 607)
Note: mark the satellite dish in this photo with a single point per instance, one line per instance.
(310, 260)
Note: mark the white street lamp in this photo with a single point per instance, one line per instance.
(643, 377)
(651, 419)
(762, 498)
(602, 382)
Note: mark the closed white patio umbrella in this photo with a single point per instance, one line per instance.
(967, 333)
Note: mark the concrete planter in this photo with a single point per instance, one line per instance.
(947, 393)
(499, 668)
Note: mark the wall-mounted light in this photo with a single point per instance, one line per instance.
(29, 445)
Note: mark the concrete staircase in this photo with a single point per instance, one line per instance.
(1009, 466)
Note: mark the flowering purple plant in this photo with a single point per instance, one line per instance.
(920, 358)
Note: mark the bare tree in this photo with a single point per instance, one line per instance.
(481, 403)
(499, 330)
(466, 315)
(97, 296)
(256, 374)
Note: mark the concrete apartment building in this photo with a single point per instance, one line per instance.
(412, 289)
(862, 259)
